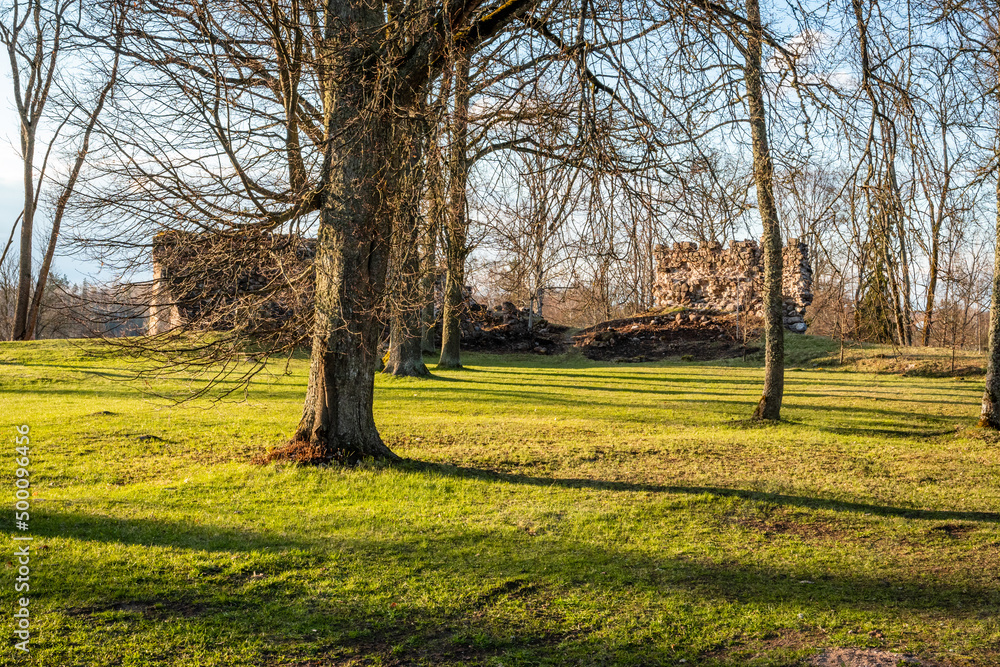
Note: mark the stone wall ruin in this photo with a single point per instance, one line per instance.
(263, 282)
(731, 279)
(254, 281)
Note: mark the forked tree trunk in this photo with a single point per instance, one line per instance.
(360, 181)
(769, 406)
(990, 415)
(937, 220)
(457, 224)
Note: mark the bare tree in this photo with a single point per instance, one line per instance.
(32, 32)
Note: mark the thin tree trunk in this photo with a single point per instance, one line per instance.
(457, 226)
(904, 263)
(30, 98)
(20, 330)
(937, 220)
(428, 278)
(436, 212)
(931, 286)
(769, 406)
(990, 415)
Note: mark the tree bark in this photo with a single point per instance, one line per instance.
(931, 286)
(769, 406)
(436, 212)
(360, 180)
(30, 98)
(937, 220)
(428, 278)
(20, 330)
(990, 414)
(457, 225)
(405, 339)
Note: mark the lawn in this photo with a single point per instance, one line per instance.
(551, 510)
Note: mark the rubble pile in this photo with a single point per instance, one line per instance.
(690, 334)
(504, 328)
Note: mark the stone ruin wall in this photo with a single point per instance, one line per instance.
(196, 273)
(186, 282)
(731, 279)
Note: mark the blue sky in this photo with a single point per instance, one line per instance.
(11, 188)
(10, 161)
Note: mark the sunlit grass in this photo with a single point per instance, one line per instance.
(551, 511)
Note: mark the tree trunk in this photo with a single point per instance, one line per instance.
(428, 278)
(990, 415)
(937, 220)
(769, 406)
(20, 330)
(405, 355)
(360, 182)
(931, 287)
(436, 212)
(457, 225)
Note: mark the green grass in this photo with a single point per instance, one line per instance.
(551, 511)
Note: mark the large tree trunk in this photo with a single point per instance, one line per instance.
(990, 415)
(769, 406)
(457, 225)
(360, 181)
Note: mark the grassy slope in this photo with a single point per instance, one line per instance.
(562, 512)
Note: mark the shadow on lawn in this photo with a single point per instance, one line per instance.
(759, 496)
(462, 593)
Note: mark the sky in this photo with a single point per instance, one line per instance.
(11, 191)
(12, 188)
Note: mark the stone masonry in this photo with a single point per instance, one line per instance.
(260, 282)
(731, 279)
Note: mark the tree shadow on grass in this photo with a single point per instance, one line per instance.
(758, 496)
(889, 432)
(469, 594)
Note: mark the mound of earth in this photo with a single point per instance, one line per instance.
(505, 329)
(695, 335)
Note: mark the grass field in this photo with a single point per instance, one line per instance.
(551, 510)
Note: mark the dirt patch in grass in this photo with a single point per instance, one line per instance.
(866, 657)
(692, 335)
(785, 642)
(812, 530)
(147, 608)
(296, 451)
(956, 531)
